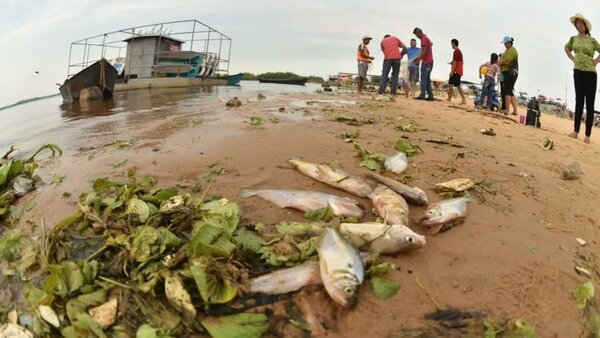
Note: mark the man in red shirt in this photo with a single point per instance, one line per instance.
(390, 46)
(456, 72)
(426, 59)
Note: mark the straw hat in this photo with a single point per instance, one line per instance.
(579, 16)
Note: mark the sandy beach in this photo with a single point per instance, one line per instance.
(513, 257)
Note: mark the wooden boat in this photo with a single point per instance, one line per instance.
(299, 81)
(99, 74)
(233, 80)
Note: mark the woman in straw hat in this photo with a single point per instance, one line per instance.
(584, 72)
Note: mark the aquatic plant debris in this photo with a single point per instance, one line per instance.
(256, 121)
(384, 288)
(583, 294)
(214, 169)
(370, 160)
(405, 147)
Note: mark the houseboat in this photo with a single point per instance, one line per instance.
(173, 54)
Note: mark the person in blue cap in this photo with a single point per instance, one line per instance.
(509, 65)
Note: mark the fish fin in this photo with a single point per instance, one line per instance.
(248, 193)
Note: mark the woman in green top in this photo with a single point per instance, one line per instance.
(584, 72)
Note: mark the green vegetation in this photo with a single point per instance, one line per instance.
(280, 76)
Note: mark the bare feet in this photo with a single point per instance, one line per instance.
(463, 102)
(573, 135)
(586, 139)
(513, 113)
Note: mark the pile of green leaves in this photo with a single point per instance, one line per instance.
(13, 169)
(172, 254)
(370, 160)
(584, 298)
(406, 147)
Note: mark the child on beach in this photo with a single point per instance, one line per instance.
(487, 89)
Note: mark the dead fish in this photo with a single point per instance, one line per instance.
(458, 185)
(342, 270)
(287, 280)
(413, 195)
(383, 238)
(337, 178)
(389, 205)
(396, 163)
(443, 215)
(308, 200)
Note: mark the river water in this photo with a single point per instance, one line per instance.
(50, 120)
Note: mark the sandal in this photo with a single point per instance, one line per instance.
(573, 135)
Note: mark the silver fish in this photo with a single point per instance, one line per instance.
(413, 195)
(396, 163)
(383, 238)
(337, 178)
(443, 215)
(287, 280)
(389, 205)
(342, 270)
(308, 200)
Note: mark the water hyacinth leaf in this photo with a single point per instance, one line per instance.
(293, 228)
(225, 217)
(149, 242)
(242, 325)
(213, 170)
(147, 331)
(210, 240)
(384, 288)
(256, 121)
(370, 160)
(69, 277)
(325, 214)
(283, 252)
(308, 248)
(83, 326)
(214, 288)
(523, 329)
(408, 127)
(405, 147)
(248, 240)
(179, 297)
(84, 301)
(157, 314)
(165, 194)
(371, 164)
(381, 268)
(583, 294)
(138, 207)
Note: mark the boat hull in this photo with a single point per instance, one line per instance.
(299, 82)
(168, 82)
(99, 74)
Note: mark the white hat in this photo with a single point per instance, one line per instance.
(574, 18)
(367, 37)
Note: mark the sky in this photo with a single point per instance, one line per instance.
(308, 37)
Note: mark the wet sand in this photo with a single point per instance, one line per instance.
(513, 257)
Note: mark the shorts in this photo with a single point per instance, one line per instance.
(454, 80)
(362, 69)
(509, 83)
(413, 73)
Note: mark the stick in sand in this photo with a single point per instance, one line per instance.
(420, 285)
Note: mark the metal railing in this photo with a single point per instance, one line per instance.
(194, 35)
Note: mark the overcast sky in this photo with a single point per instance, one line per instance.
(307, 37)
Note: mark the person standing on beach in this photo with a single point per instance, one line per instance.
(456, 72)
(489, 83)
(426, 59)
(390, 46)
(413, 68)
(364, 59)
(509, 65)
(584, 73)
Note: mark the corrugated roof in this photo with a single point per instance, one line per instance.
(151, 35)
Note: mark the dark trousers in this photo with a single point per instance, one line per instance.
(394, 65)
(585, 89)
(502, 98)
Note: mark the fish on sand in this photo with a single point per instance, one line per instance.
(287, 280)
(337, 178)
(308, 200)
(445, 214)
(412, 195)
(342, 271)
(389, 205)
(382, 238)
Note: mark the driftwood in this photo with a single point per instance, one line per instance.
(10, 151)
(436, 141)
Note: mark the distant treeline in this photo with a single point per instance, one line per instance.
(281, 75)
(28, 100)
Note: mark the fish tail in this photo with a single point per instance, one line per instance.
(248, 193)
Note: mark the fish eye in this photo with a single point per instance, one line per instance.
(410, 239)
(348, 290)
